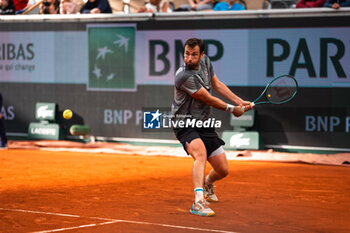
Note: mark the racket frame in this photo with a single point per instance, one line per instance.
(269, 84)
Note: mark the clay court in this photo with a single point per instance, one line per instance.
(48, 191)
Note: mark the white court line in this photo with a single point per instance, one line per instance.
(109, 221)
(77, 227)
(178, 227)
(40, 212)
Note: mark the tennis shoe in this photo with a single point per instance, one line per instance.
(201, 208)
(209, 192)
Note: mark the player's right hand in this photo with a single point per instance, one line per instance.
(247, 106)
(238, 111)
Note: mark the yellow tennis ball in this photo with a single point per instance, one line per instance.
(268, 95)
(67, 114)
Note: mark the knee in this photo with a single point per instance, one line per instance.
(200, 156)
(197, 150)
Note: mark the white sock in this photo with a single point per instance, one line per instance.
(198, 193)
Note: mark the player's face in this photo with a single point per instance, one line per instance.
(192, 57)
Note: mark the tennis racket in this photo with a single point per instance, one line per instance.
(279, 91)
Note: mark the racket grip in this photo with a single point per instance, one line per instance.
(252, 104)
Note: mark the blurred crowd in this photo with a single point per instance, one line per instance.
(11, 7)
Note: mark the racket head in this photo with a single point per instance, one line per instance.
(280, 90)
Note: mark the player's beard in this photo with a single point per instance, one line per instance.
(192, 66)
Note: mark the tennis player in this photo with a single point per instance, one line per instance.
(194, 81)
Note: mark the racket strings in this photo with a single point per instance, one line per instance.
(281, 90)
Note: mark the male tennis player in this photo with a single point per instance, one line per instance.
(194, 81)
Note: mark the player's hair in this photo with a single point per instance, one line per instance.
(193, 42)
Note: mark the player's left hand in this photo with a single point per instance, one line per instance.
(238, 111)
(247, 105)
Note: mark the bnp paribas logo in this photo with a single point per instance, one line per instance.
(111, 58)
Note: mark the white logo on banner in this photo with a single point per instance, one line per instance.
(237, 140)
(44, 112)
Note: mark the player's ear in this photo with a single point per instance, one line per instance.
(202, 54)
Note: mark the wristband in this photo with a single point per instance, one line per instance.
(230, 108)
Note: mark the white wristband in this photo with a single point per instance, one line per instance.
(230, 108)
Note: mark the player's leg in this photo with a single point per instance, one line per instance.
(219, 170)
(198, 152)
(220, 167)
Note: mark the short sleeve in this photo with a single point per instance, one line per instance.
(211, 70)
(191, 85)
(209, 66)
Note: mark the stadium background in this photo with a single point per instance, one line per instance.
(53, 59)
(65, 186)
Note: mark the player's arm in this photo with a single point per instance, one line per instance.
(203, 95)
(225, 92)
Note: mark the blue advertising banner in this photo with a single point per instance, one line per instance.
(241, 57)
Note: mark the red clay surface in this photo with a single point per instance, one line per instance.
(256, 197)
